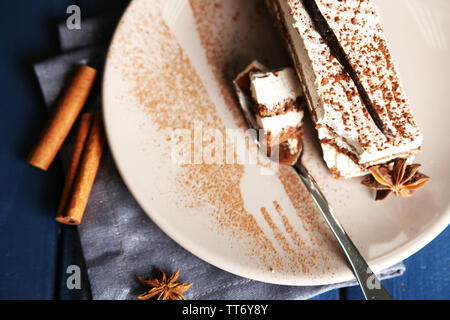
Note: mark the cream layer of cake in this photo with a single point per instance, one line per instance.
(350, 140)
(277, 97)
(275, 91)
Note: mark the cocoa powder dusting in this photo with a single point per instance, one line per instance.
(322, 244)
(170, 90)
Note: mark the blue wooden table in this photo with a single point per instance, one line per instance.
(34, 250)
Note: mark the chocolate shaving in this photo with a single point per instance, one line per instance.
(321, 25)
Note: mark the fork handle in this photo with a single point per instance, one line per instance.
(368, 281)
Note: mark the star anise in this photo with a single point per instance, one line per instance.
(401, 179)
(164, 288)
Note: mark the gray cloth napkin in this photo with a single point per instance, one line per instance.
(118, 239)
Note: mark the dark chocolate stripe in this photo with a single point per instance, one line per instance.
(328, 36)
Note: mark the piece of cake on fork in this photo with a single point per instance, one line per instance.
(278, 107)
(351, 140)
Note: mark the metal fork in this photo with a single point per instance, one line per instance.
(368, 281)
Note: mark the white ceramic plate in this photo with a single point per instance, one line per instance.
(169, 69)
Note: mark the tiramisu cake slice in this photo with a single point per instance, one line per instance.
(350, 139)
(278, 106)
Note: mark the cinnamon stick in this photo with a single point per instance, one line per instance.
(72, 211)
(62, 118)
(80, 141)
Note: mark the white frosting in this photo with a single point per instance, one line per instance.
(346, 166)
(280, 122)
(359, 134)
(271, 89)
(292, 145)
